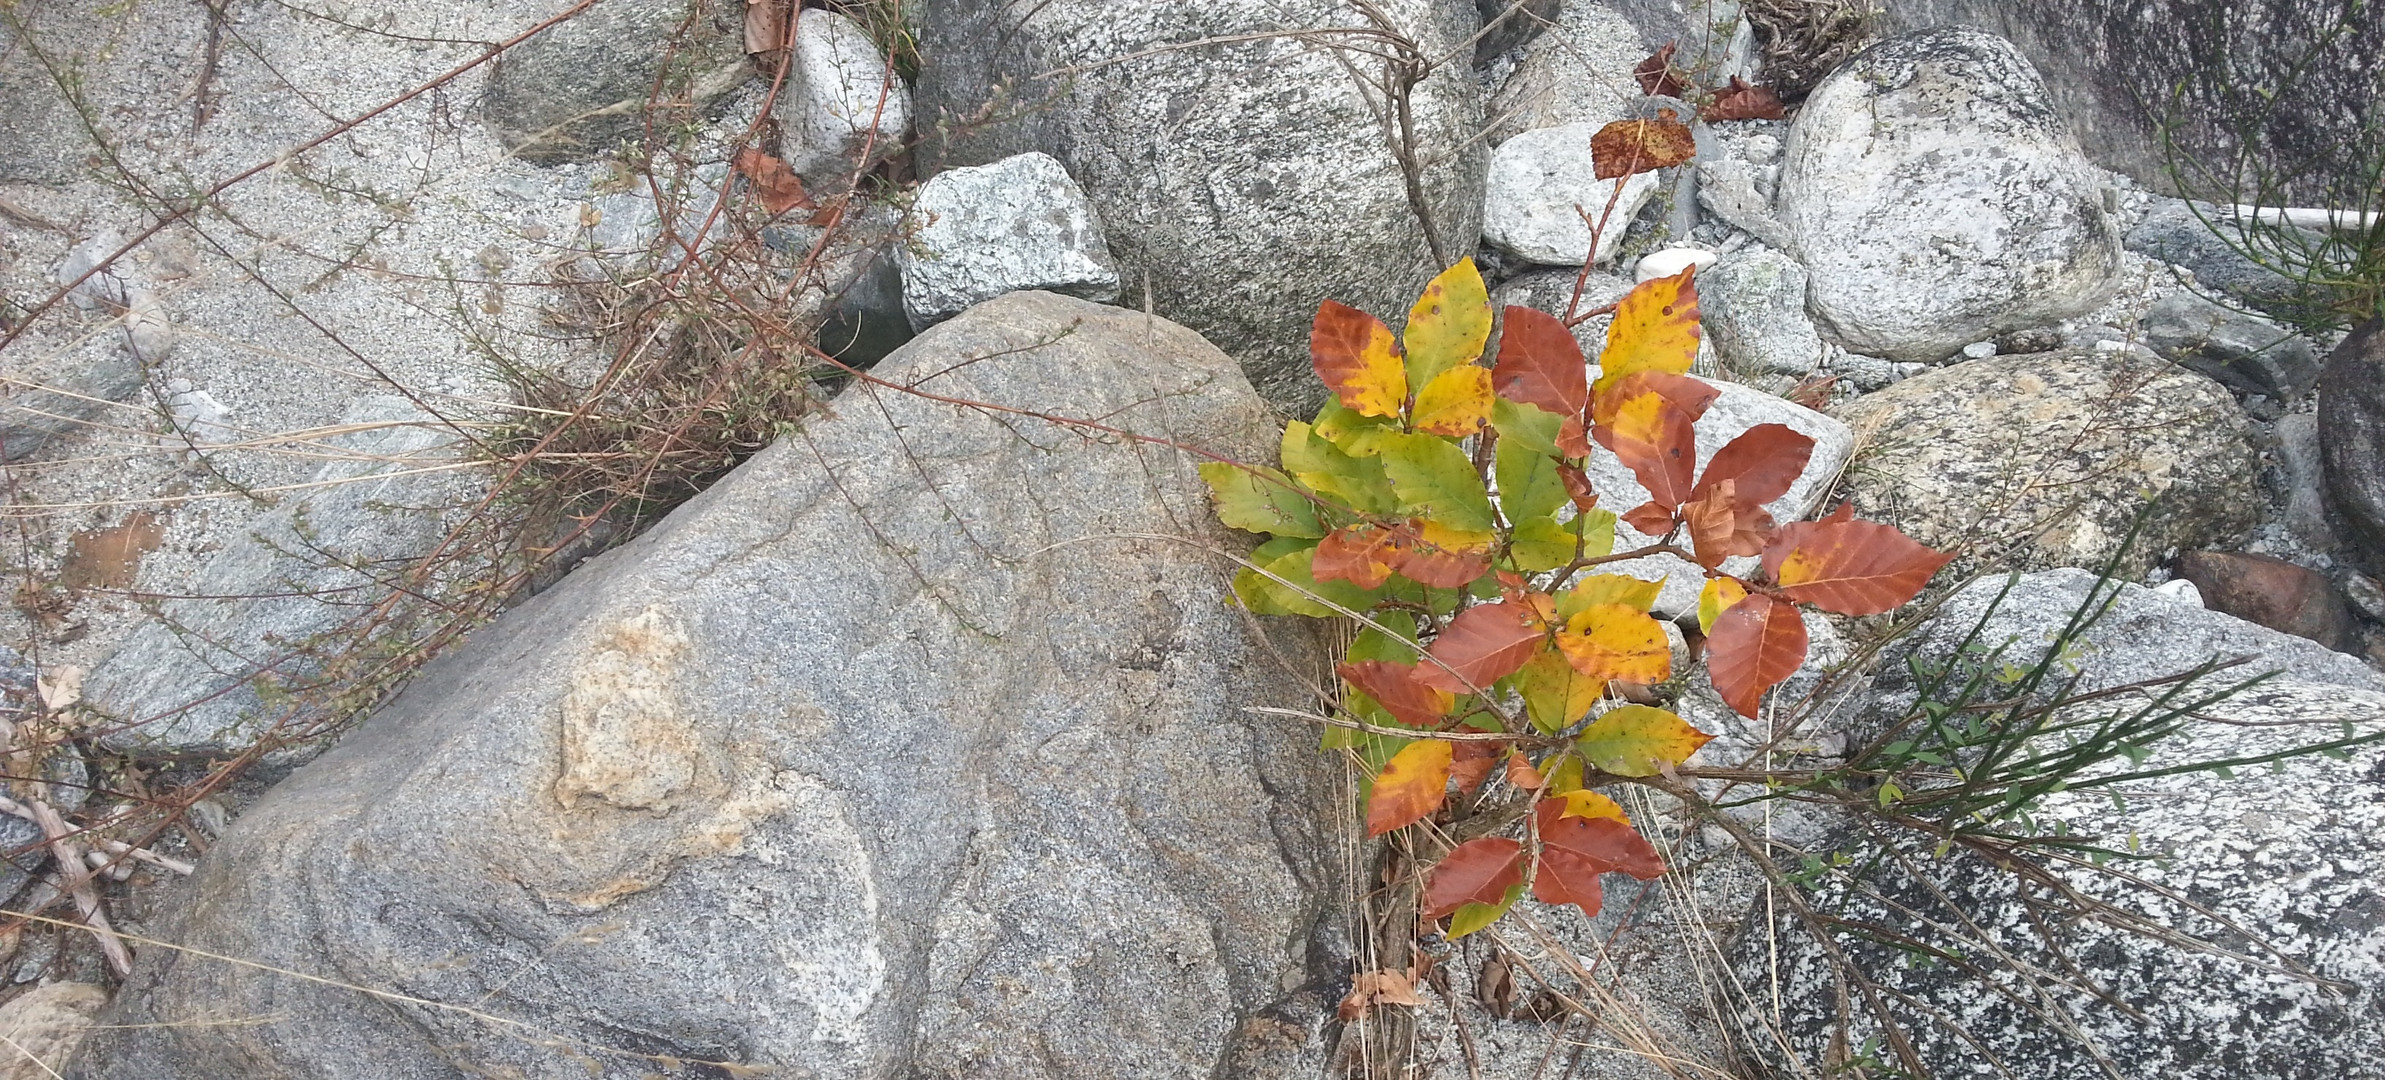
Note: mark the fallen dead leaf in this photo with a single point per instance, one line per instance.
(775, 184)
(1374, 988)
(59, 687)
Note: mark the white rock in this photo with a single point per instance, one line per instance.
(1938, 199)
(2179, 590)
(1575, 72)
(1538, 179)
(1760, 148)
(1019, 223)
(104, 289)
(1979, 350)
(1671, 261)
(1752, 306)
(842, 101)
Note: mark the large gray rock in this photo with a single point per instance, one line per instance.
(2213, 243)
(1017, 224)
(1541, 183)
(2279, 854)
(910, 748)
(1240, 182)
(2049, 457)
(1752, 306)
(72, 392)
(842, 107)
(2246, 352)
(221, 666)
(573, 91)
(2352, 434)
(1576, 72)
(1938, 200)
(2120, 69)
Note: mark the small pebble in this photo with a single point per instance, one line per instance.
(1979, 350)
(2181, 591)
(1671, 261)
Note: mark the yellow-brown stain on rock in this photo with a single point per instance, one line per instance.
(111, 558)
(625, 740)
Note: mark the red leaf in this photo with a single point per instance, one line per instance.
(1395, 687)
(1577, 487)
(1723, 524)
(1358, 359)
(1484, 644)
(1565, 877)
(1649, 420)
(1471, 762)
(1651, 519)
(1752, 646)
(774, 183)
(1656, 75)
(1476, 872)
(1522, 774)
(1612, 845)
(1739, 101)
(1421, 560)
(1541, 364)
(1353, 553)
(1765, 460)
(1847, 566)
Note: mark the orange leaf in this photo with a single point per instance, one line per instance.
(1650, 518)
(1412, 785)
(1721, 524)
(1476, 872)
(1471, 762)
(1765, 460)
(1847, 566)
(1717, 597)
(1657, 75)
(1740, 101)
(1565, 877)
(1484, 644)
(1541, 364)
(1433, 554)
(1655, 329)
(1395, 687)
(1605, 839)
(1352, 351)
(774, 183)
(1457, 402)
(1649, 421)
(1637, 146)
(1353, 553)
(1615, 641)
(1374, 988)
(1751, 647)
(1577, 486)
(1521, 773)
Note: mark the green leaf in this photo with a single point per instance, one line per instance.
(1543, 544)
(1555, 695)
(1260, 500)
(1264, 596)
(1472, 917)
(1435, 479)
(1373, 644)
(1338, 423)
(1449, 324)
(1355, 482)
(1528, 483)
(1531, 426)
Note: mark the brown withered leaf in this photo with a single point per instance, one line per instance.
(110, 558)
(765, 25)
(1657, 76)
(1374, 988)
(1637, 146)
(774, 183)
(1740, 101)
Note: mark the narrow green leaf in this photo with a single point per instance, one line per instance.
(1528, 483)
(1260, 500)
(1434, 479)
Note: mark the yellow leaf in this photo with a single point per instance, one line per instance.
(1717, 597)
(1448, 326)
(1564, 772)
(1353, 352)
(1599, 589)
(1616, 641)
(1411, 786)
(1585, 803)
(1457, 402)
(1555, 695)
(1655, 329)
(1637, 740)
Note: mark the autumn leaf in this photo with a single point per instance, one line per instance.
(1637, 146)
(1595, 589)
(1478, 871)
(1722, 524)
(1751, 647)
(1471, 762)
(1585, 803)
(1540, 363)
(1638, 740)
(1520, 772)
(1555, 695)
(1717, 597)
(1433, 554)
(1650, 518)
(1299, 593)
(766, 25)
(1612, 641)
(1435, 479)
(1740, 101)
(1485, 643)
(1352, 351)
(1577, 486)
(1412, 785)
(1577, 850)
(1765, 461)
(1372, 988)
(1456, 403)
(1564, 877)
(1657, 76)
(1395, 687)
(774, 183)
(1354, 553)
(1643, 421)
(1260, 500)
(1448, 326)
(1655, 329)
(1354, 482)
(1847, 566)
